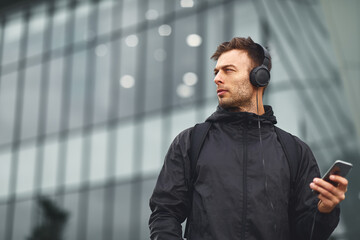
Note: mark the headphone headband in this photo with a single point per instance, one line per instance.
(260, 75)
(267, 57)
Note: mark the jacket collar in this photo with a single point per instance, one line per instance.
(223, 115)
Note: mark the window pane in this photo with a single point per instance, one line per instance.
(128, 80)
(60, 19)
(71, 205)
(7, 106)
(122, 212)
(37, 26)
(105, 16)
(130, 12)
(98, 156)
(102, 82)
(77, 94)
(156, 9)
(56, 81)
(249, 24)
(5, 163)
(12, 34)
(152, 159)
(125, 151)
(50, 165)
(73, 161)
(186, 60)
(3, 208)
(82, 32)
(95, 214)
(156, 57)
(183, 119)
(22, 220)
(30, 115)
(26, 169)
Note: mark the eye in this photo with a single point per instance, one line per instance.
(216, 72)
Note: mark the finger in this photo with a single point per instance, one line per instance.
(330, 199)
(325, 185)
(331, 193)
(335, 198)
(339, 179)
(322, 191)
(342, 182)
(338, 190)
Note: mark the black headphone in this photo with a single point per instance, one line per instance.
(260, 76)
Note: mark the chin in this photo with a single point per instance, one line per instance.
(225, 105)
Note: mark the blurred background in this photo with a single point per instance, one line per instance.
(93, 92)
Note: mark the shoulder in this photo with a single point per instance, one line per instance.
(186, 139)
(181, 142)
(306, 161)
(183, 136)
(300, 144)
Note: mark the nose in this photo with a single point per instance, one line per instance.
(218, 78)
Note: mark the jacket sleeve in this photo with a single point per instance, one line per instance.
(170, 202)
(303, 204)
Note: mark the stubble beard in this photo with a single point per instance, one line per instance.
(242, 102)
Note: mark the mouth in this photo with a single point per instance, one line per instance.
(221, 92)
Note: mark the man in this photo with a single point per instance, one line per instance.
(242, 187)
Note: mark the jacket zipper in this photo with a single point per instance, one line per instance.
(244, 185)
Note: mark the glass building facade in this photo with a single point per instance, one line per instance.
(93, 92)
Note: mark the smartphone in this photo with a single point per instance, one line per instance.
(340, 168)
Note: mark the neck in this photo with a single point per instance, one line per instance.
(251, 109)
(255, 105)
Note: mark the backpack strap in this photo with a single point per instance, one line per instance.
(197, 139)
(291, 151)
(293, 156)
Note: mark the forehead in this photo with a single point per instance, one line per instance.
(238, 58)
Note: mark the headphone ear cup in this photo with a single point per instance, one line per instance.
(260, 76)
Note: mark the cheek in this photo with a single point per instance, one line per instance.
(243, 85)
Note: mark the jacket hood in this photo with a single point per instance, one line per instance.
(223, 115)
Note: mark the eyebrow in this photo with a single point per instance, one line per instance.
(224, 66)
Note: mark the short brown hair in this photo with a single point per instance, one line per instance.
(254, 51)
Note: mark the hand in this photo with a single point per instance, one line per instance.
(329, 195)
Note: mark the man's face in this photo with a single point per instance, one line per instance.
(234, 90)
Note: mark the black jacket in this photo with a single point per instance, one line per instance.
(242, 187)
